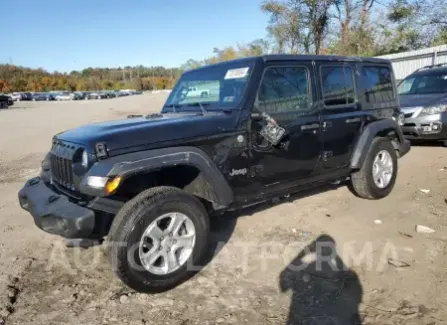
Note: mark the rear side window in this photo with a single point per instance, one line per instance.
(378, 84)
(284, 89)
(338, 85)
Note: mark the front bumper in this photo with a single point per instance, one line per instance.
(54, 213)
(427, 127)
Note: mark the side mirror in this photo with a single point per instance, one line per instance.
(256, 116)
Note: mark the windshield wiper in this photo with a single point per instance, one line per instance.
(201, 105)
(173, 106)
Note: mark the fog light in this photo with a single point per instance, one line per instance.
(435, 127)
(400, 119)
(113, 184)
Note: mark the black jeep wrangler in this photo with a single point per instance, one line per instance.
(269, 126)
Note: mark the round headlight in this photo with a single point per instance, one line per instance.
(84, 162)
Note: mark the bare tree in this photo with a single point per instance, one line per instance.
(298, 25)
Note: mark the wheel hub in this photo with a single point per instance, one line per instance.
(382, 169)
(167, 243)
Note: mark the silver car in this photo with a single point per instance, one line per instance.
(423, 100)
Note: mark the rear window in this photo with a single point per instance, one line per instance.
(378, 84)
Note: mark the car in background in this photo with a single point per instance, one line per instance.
(122, 93)
(17, 97)
(110, 94)
(79, 95)
(5, 101)
(423, 101)
(197, 92)
(66, 95)
(43, 96)
(96, 95)
(27, 96)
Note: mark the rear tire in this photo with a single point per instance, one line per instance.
(129, 233)
(364, 182)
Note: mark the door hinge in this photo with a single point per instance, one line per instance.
(327, 155)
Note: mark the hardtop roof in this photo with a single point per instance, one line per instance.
(291, 57)
(336, 58)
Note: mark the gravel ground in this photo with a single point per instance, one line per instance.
(393, 274)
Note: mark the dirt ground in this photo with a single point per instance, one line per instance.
(393, 274)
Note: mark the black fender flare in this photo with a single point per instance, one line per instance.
(126, 165)
(369, 132)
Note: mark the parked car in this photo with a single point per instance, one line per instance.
(17, 96)
(110, 94)
(43, 96)
(5, 101)
(196, 92)
(121, 93)
(423, 100)
(27, 96)
(96, 95)
(151, 183)
(64, 96)
(79, 95)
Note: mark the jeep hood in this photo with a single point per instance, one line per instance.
(145, 131)
(418, 100)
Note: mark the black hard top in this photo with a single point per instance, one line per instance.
(290, 57)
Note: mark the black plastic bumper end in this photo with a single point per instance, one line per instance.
(54, 213)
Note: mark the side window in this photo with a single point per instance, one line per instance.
(338, 85)
(378, 84)
(284, 89)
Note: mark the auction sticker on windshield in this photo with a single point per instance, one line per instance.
(237, 73)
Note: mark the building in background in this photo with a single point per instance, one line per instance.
(407, 62)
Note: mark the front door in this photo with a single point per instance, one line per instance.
(286, 94)
(342, 116)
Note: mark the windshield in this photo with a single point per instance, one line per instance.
(430, 83)
(219, 87)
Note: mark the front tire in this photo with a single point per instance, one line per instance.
(376, 178)
(147, 234)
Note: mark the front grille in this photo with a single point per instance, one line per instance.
(408, 115)
(61, 162)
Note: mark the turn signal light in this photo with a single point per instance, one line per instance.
(113, 184)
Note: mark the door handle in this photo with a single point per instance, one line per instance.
(310, 126)
(353, 120)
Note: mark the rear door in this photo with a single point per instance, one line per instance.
(342, 115)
